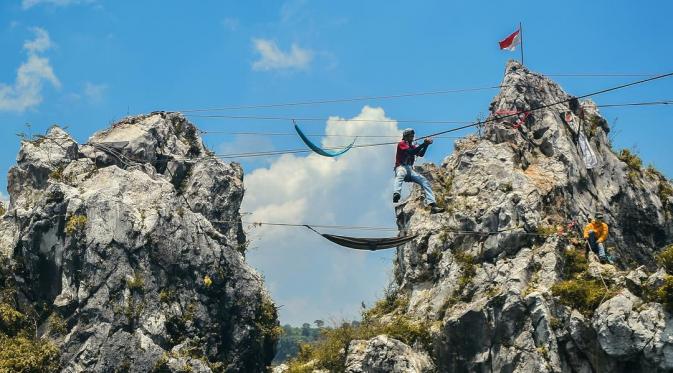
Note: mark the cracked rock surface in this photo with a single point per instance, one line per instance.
(489, 295)
(134, 240)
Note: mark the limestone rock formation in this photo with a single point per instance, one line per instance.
(519, 297)
(382, 354)
(133, 242)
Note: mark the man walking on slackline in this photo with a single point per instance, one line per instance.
(404, 168)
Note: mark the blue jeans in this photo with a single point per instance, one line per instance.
(406, 173)
(596, 247)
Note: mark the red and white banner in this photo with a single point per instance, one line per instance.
(510, 42)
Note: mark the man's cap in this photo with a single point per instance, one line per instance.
(599, 216)
(408, 131)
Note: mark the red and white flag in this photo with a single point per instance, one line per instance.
(510, 42)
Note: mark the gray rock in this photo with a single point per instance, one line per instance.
(383, 354)
(118, 236)
(491, 293)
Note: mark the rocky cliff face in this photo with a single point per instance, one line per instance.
(126, 253)
(525, 299)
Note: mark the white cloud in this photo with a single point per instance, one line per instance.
(272, 58)
(94, 92)
(4, 199)
(301, 267)
(26, 91)
(26, 4)
(41, 43)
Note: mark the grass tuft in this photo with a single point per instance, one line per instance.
(665, 259)
(75, 223)
(631, 159)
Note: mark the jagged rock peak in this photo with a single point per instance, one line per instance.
(133, 242)
(501, 273)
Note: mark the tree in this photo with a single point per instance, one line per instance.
(319, 323)
(306, 329)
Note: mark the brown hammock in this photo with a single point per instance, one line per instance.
(371, 244)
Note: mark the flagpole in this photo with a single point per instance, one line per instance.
(521, 35)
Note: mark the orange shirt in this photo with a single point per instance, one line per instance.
(601, 230)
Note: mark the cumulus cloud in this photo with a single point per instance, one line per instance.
(26, 91)
(26, 4)
(311, 277)
(272, 58)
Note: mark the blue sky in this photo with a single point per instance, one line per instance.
(86, 63)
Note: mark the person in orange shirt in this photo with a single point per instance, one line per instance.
(596, 232)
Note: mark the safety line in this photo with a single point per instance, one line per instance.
(294, 134)
(498, 118)
(286, 118)
(416, 121)
(402, 95)
(599, 75)
(370, 228)
(621, 86)
(651, 103)
(352, 99)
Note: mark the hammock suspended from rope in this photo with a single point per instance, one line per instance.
(317, 149)
(371, 244)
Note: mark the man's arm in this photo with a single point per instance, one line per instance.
(422, 148)
(410, 150)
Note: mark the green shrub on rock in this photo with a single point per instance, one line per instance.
(24, 354)
(328, 352)
(75, 224)
(575, 263)
(584, 295)
(665, 259)
(664, 294)
(631, 159)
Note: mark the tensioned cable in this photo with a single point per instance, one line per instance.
(402, 95)
(651, 103)
(294, 151)
(647, 103)
(273, 118)
(599, 75)
(498, 118)
(297, 151)
(370, 228)
(417, 121)
(294, 134)
(203, 132)
(337, 100)
(621, 86)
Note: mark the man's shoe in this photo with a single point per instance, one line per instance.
(434, 209)
(603, 259)
(396, 197)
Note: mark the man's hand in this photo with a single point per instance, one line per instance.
(427, 140)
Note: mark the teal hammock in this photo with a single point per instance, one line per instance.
(319, 150)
